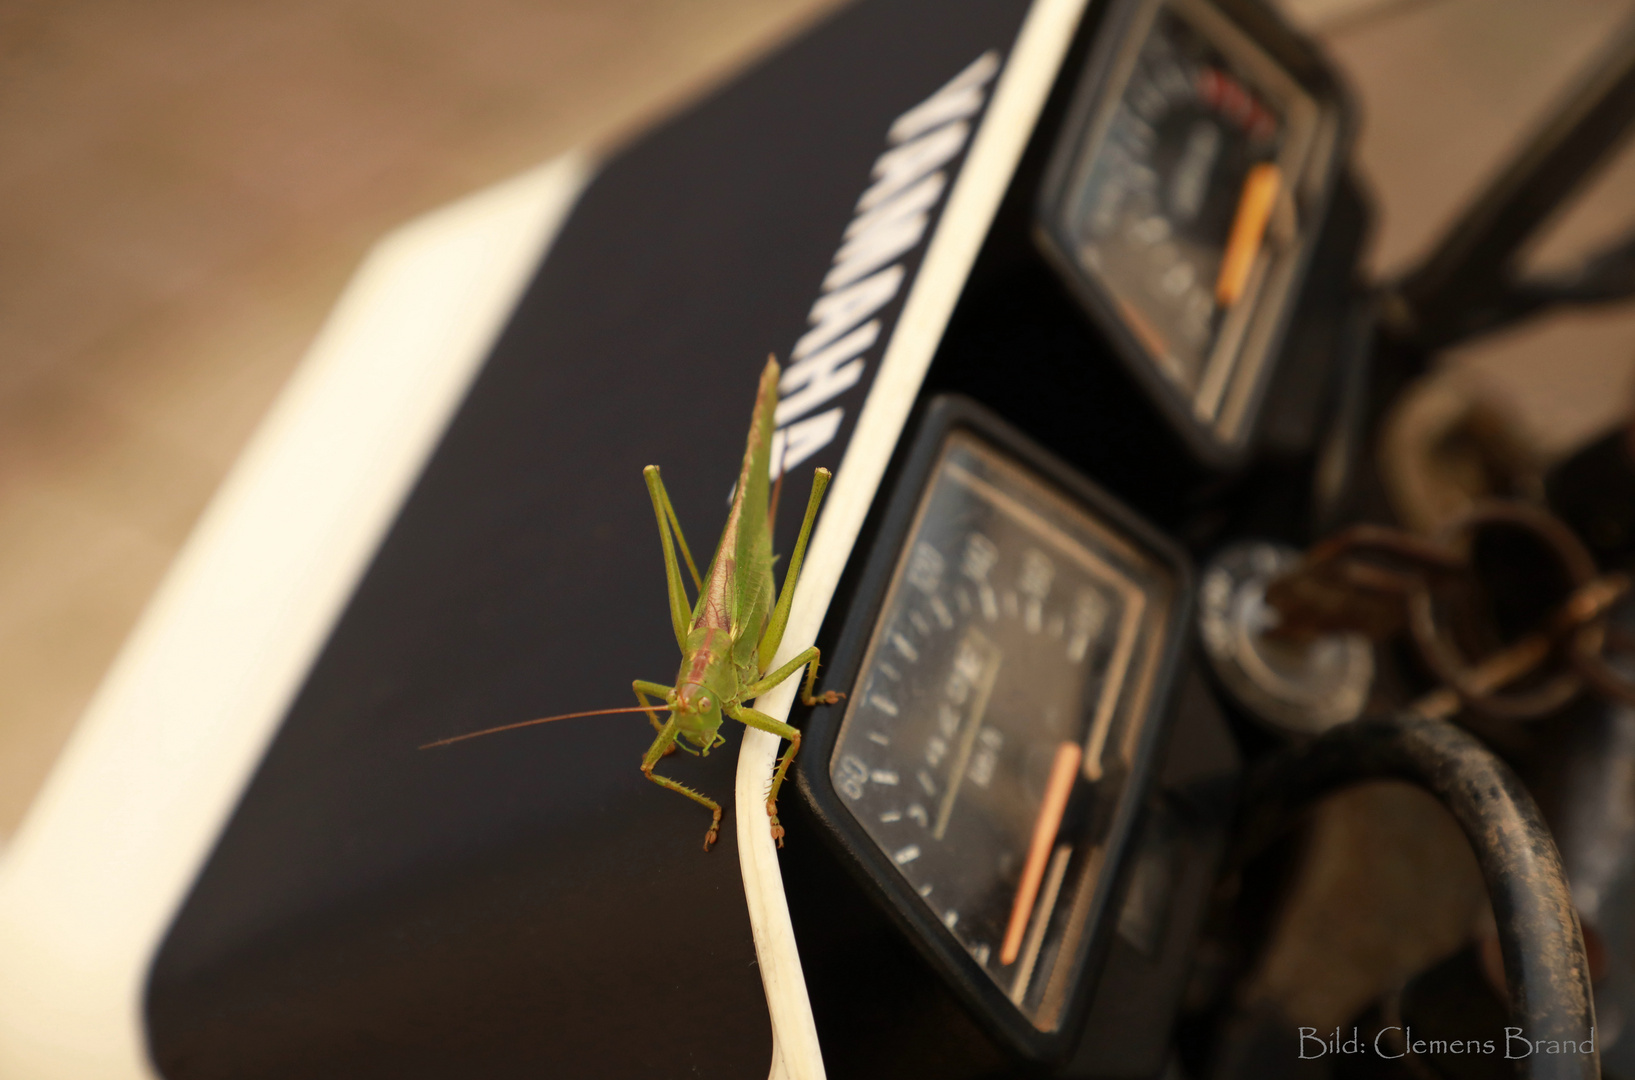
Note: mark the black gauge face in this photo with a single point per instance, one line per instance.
(1177, 207)
(999, 713)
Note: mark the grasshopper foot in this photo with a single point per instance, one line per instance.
(777, 827)
(828, 697)
(715, 830)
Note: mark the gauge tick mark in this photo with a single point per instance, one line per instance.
(935, 749)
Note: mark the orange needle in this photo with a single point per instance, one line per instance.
(1063, 771)
(1260, 190)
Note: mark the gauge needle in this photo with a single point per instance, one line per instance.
(1063, 771)
(1260, 190)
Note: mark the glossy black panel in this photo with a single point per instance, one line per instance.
(528, 905)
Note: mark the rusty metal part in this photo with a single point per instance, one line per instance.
(1590, 651)
(1377, 580)
(1494, 673)
(1358, 581)
(1539, 935)
(1578, 619)
(1481, 685)
(1477, 686)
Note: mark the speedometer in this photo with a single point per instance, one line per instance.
(1003, 714)
(1181, 206)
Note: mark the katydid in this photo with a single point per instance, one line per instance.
(730, 635)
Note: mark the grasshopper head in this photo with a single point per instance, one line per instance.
(698, 708)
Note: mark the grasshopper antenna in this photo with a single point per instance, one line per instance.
(541, 720)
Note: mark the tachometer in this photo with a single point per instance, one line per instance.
(1181, 203)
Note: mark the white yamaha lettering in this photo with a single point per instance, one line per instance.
(810, 382)
(892, 216)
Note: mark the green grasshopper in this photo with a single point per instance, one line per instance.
(731, 633)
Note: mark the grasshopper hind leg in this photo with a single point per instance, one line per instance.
(755, 719)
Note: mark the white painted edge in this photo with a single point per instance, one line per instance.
(1024, 84)
(111, 845)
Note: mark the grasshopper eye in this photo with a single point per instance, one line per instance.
(703, 703)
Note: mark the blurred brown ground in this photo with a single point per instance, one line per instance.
(185, 187)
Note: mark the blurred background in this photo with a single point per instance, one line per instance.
(185, 188)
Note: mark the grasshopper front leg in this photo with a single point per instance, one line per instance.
(663, 745)
(751, 718)
(658, 690)
(665, 512)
